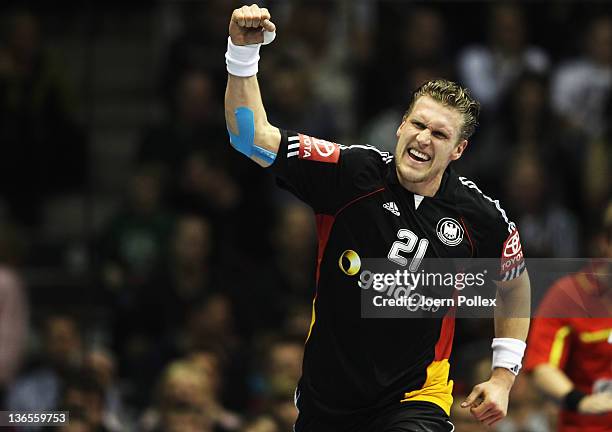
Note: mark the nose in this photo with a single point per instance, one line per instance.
(424, 137)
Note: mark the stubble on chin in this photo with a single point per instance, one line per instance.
(407, 174)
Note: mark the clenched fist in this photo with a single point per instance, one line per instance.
(248, 24)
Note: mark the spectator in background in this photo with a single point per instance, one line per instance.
(192, 271)
(210, 324)
(99, 364)
(133, 249)
(211, 343)
(83, 393)
(488, 70)
(198, 175)
(146, 332)
(14, 248)
(579, 87)
(77, 423)
(192, 123)
(43, 149)
(316, 54)
(263, 423)
(282, 296)
(40, 389)
(279, 368)
(288, 273)
(596, 187)
(134, 243)
(284, 365)
(524, 125)
(423, 55)
(548, 230)
(196, 30)
(186, 402)
(14, 316)
(424, 40)
(292, 96)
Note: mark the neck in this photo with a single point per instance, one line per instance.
(426, 188)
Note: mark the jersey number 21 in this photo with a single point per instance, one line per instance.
(410, 241)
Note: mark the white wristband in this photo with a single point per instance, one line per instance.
(243, 60)
(508, 353)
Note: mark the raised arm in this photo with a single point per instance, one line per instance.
(245, 116)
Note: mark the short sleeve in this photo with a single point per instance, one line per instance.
(507, 246)
(324, 174)
(548, 342)
(496, 237)
(550, 334)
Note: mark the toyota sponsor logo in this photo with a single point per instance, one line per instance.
(512, 245)
(318, 150)
(512, 252)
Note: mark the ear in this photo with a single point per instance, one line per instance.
(459, 149)
(399, 129)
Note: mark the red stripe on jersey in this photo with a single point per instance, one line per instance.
(468, 234)
(324, 226)
(350, 203)
(447, 332)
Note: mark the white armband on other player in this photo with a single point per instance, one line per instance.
(508, 353)
(243, 60)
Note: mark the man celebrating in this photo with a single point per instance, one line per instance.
(383, 374)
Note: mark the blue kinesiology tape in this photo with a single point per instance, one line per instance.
(244, 142)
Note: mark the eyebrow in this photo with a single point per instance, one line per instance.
(443, 128)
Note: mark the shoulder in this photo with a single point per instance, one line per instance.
(315, 149)
(561, 299)
(481, 208)
(365, 154)
(364, 166)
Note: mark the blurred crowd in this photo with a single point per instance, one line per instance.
(198, 289)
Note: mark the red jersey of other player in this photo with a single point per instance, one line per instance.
(570, 345)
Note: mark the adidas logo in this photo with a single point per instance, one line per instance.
(392, 207)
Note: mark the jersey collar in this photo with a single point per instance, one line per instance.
(446, 191)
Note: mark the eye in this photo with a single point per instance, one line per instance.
(439, 135)
(418, 124)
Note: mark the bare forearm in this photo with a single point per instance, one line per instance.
(513, 309)
(512, 318)
(251, 134)
(552, 381)
(243, 92)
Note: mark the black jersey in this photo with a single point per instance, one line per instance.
(353, 364)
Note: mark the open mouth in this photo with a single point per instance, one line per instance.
(418, 156)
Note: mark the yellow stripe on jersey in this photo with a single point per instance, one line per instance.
(596, 336)
(437, 388)
(556, 351)
(313, 319)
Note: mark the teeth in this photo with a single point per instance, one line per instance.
(419, 154)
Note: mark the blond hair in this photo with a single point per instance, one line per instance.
(452, 95)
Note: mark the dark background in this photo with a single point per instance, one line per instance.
(152, 278)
